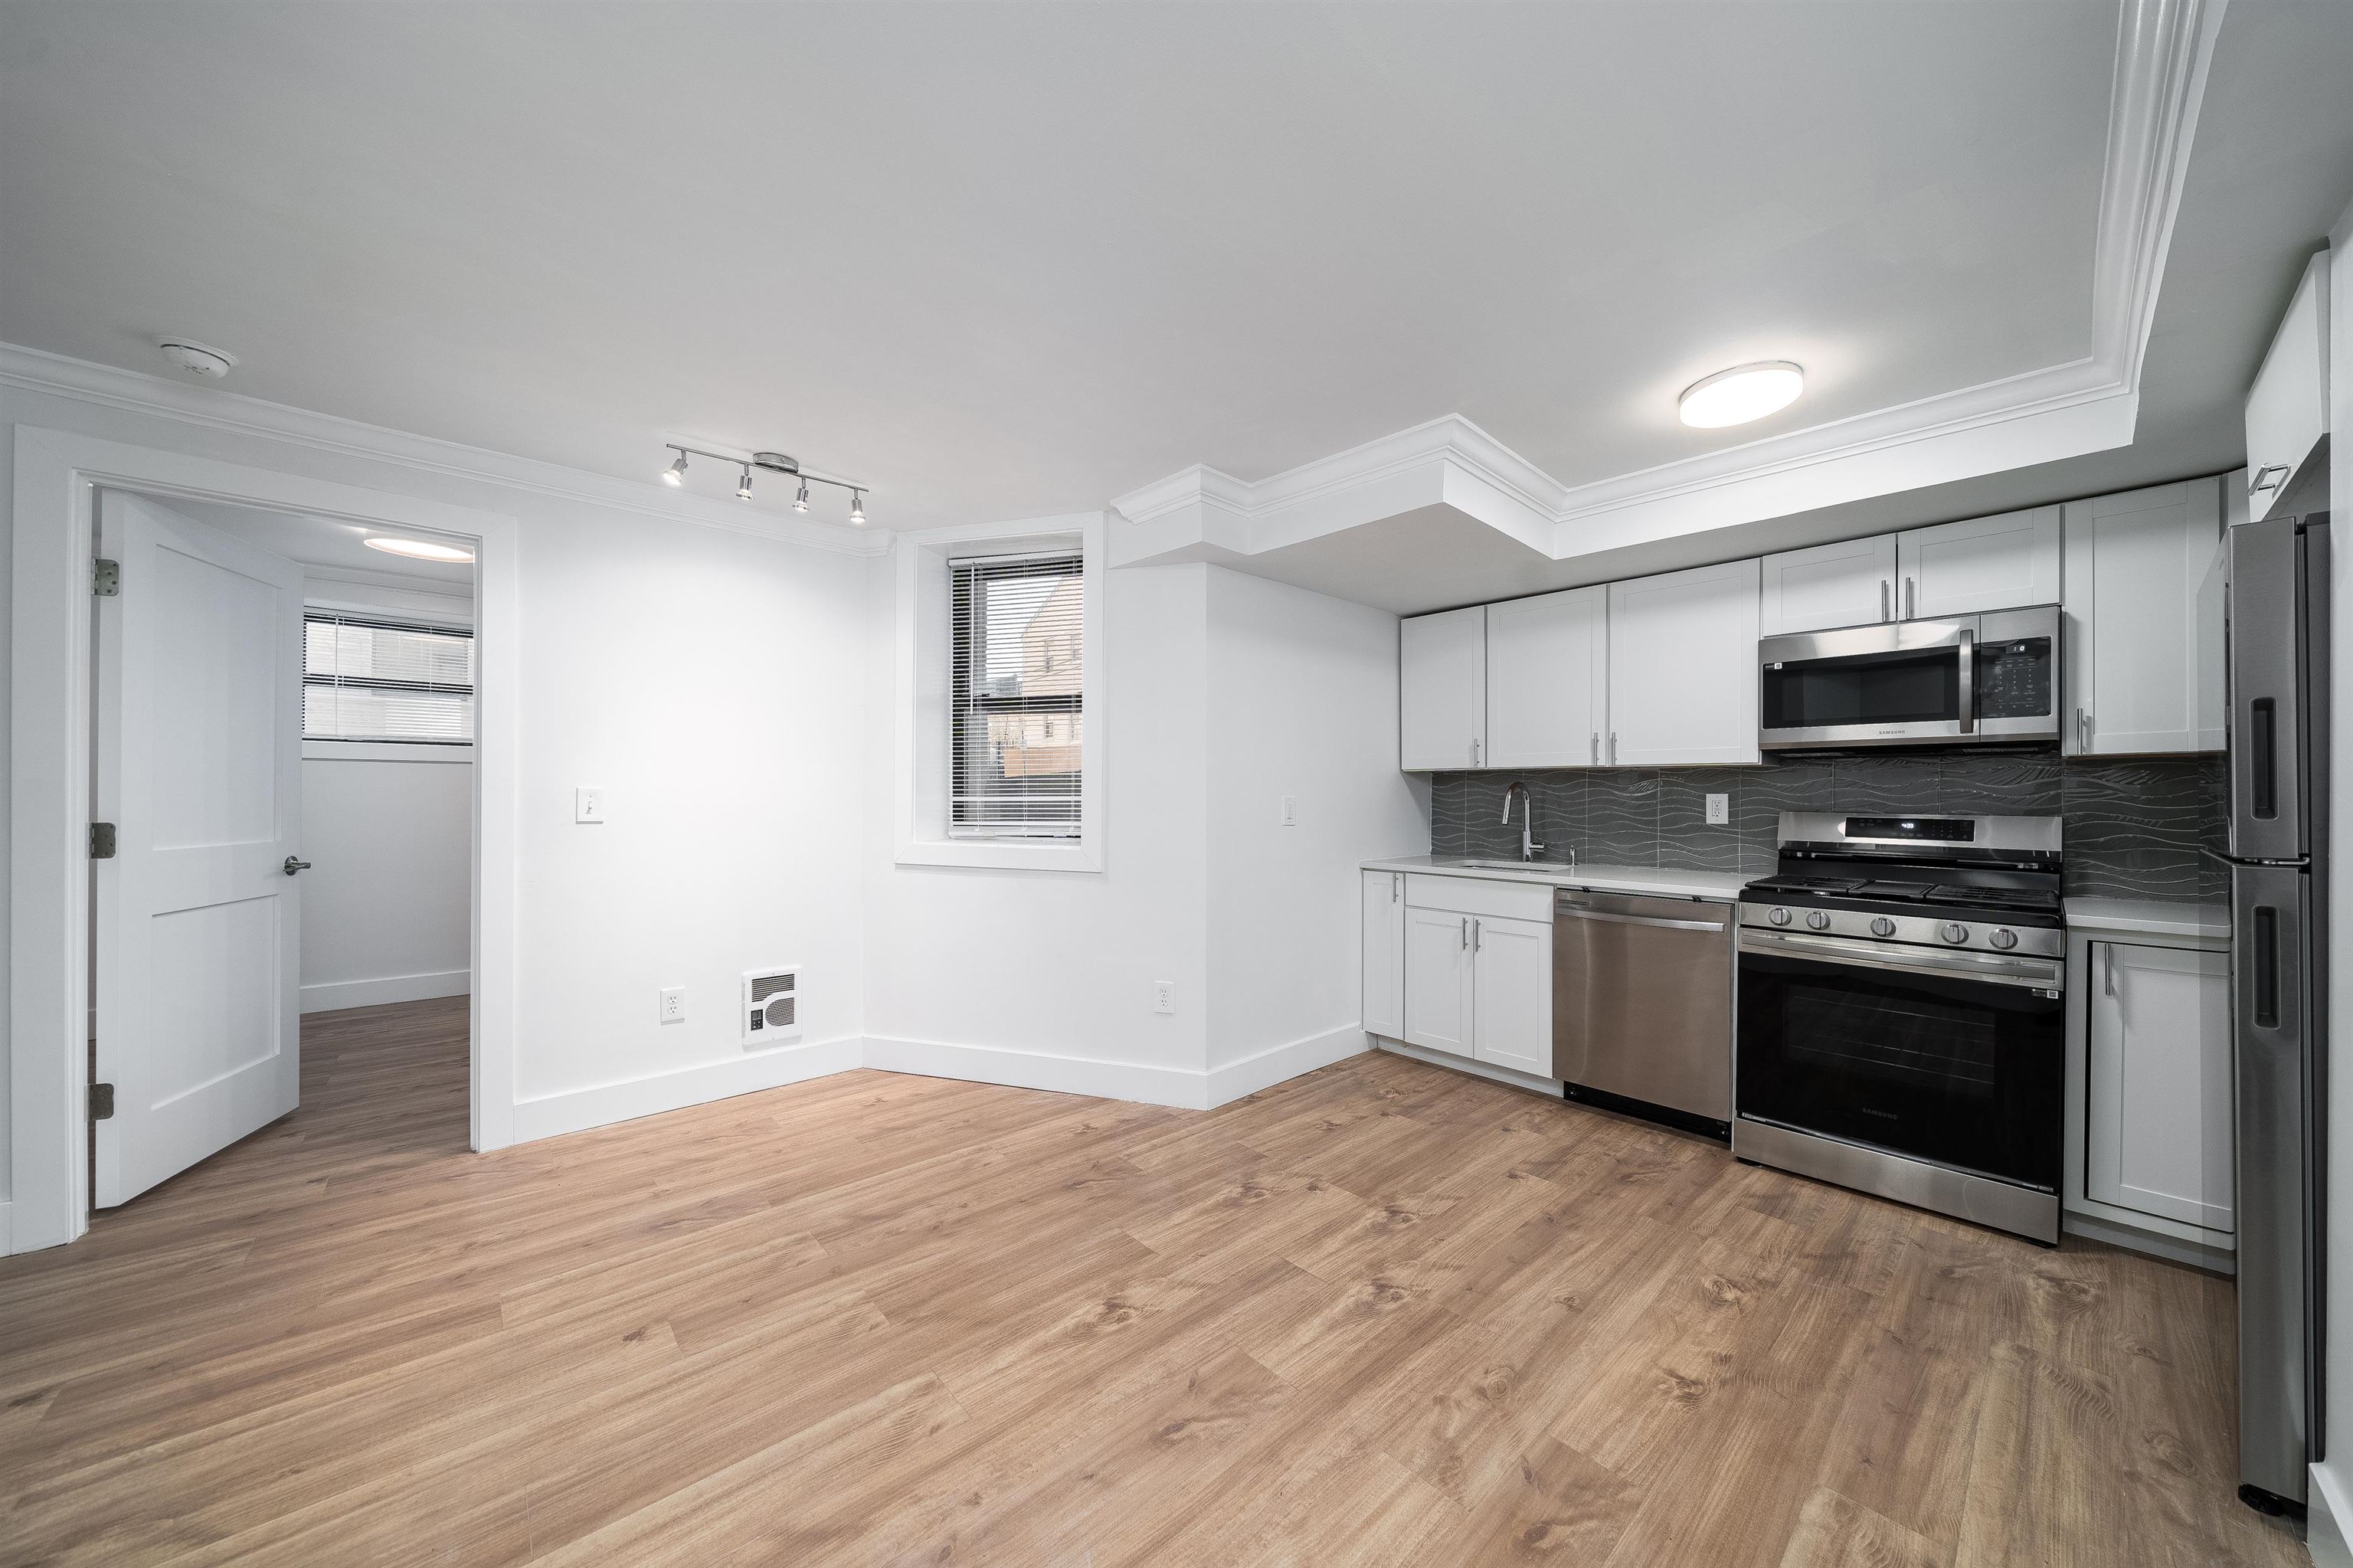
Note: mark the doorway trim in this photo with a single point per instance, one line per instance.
(58, 477)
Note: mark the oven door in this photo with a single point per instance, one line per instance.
(1952, 1058)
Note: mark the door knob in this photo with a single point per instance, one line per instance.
(293, 866)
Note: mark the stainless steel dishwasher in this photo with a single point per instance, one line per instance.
(1642, 1006)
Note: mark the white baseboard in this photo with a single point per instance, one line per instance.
(334, 995)
(1548, 1086)
(2173, 1249)
(1040, 1070)
(1268, 1068)
(7, 1238)
(577, 1110)
(2325, 1516)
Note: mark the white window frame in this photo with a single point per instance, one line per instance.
(920, 805)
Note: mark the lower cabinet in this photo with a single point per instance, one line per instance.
(1474, 965)
(1384, 943)
(2158, 1123)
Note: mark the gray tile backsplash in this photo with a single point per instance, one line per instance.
(2144, 827)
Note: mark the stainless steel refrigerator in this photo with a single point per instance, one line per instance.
(2278, 660)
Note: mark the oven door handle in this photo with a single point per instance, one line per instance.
(2036, 974)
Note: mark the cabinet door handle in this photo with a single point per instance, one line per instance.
(1474, 936)
(2082, 730)
(1884, 586)
(1397, 885)
(1597, 748)
(1910, 598)
(1613, 748)
(2258, 484)
(1475, 754)
(2108, 968)
(1466, 932)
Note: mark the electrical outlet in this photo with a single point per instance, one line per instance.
(673, 1004)
(1164, 996)
(1291, 811)
(588, 804)
(1719, 810)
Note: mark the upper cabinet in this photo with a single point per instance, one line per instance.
(1849, 583)
(2144, 608)
(1954, 568)
(1682, 667)
(2287, 408)
(1986, 563)
(1443, 690)
(1548, 679)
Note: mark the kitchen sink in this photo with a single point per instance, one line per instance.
(1514, 865)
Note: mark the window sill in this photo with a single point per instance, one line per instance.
(1001, 854)
(383, 751)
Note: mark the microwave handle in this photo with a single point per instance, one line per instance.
(1968, 694)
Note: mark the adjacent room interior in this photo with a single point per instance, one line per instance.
(1182, 784)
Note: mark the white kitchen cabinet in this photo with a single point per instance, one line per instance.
(2287, 408)
(1384, 944)
(2157, 1135)
(1511, 993)
(2003, 562)
(1848, 584)
(1443, 690)
(1682, 667)
(1548, 679)
(2143, 610)
(1438, 999)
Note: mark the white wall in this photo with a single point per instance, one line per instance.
(708, 679)
(387, 904)
(1303, 703)
(2332, 1488)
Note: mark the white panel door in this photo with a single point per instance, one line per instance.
(1384, 941)
(2144, 643)
(1511, 993)
(1548, 679)
(1847, 584)
(198, 928)
(2158, 1083)
(1438, 980)
(1443, 690)
(1682, 667)
(1986, 563)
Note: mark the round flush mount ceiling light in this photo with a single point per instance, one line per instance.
(419, 549)
(196, 358)
(1743, 393)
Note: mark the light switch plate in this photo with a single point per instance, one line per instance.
(588, 804)
(1291, 811)
(673, 1004)
(1719, 810)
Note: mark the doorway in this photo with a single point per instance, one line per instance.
(57, 681)
(281, 767)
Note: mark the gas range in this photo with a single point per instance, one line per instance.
(1974, 883)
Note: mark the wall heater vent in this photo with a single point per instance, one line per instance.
(772, 1004)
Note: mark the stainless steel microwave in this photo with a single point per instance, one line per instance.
(1964, 680)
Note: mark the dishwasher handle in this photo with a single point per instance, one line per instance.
(1564, 909)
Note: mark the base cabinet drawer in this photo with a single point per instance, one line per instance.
(2158, 1085)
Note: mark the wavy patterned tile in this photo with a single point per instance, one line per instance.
(1621, 817)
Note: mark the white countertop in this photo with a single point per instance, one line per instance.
(2149, 916)
(1660, 881)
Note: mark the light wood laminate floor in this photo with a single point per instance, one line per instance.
(1382, 1314)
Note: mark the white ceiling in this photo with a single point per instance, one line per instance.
(333, 549)
(1014, 259)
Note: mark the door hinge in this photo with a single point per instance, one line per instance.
(105, 578)
(102, 841)
(101, 1102)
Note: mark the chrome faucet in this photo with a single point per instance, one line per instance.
(1528, 846)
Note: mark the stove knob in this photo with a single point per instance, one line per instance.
(1778, 917)
(1818, 921)
(1953, 931)
(2004, 938)
(1883, 926)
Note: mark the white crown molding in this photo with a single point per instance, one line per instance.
(2163, 47)
(36, 370)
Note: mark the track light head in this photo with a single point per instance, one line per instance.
(744, 488)
(675, 475)
(857, 508)
(801, 502)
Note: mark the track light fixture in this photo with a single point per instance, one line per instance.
(773, 462)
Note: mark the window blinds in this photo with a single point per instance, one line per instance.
(1014, 695)
(370, 679)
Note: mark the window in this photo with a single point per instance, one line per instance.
(1016, 691)
(370, 679)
